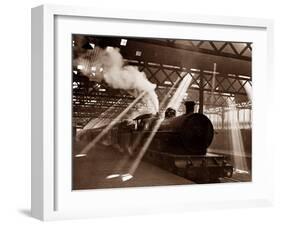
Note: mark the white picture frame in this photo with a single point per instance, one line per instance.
(52, 197)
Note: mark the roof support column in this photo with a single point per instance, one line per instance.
(201, 92)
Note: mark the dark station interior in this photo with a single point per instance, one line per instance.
(214, 76)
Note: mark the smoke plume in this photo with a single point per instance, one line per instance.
(128, 78)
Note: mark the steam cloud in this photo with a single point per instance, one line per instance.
(128, 78)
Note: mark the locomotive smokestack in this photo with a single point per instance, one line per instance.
(189, 107)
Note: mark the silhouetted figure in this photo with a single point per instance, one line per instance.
(170, 113)
(189, 107)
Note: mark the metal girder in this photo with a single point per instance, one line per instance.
(85, 112)
(212, 49)
(194, 55)
(220, 48)
(224, 83)
(185, 58)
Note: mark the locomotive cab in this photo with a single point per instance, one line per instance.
(146, 122)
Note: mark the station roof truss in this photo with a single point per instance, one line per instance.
(179, 58)
(236, 50)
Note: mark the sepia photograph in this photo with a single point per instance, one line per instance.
(158, 111)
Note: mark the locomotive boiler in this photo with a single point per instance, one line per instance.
(188, 134)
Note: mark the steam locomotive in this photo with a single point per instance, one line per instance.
(179, 143)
